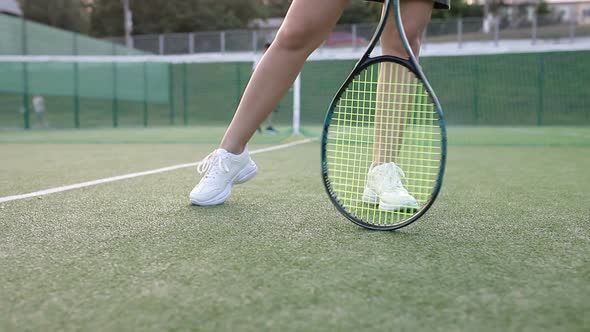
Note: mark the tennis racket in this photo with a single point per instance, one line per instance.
(384, 139)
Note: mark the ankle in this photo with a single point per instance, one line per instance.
(235, 150)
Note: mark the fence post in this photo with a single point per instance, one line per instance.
(24, 37)
(115, 97)
(540, 88)
(573, 22)
(25, 51)
(222, 41)
(184, 94)
(26, 108)
(161, 44)
(534, 31)
(475, 91)
(460, 32)
(74, 43)
(191, 43)
(76, 82)
(171, 92)
(496, 31)
(145, 95)
(254, 40)
(76, 96)
(354, 37)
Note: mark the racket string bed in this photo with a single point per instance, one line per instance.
(404, 131)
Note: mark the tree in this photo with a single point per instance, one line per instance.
(359, 11)
(275, 8)
(164, 16)
(460, 8)
(543, 8)
(65, 14)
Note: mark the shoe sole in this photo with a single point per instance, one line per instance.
(370, 197)
(245, 175)
(396, 207)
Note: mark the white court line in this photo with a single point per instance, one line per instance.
(544, 133)
(135, 175)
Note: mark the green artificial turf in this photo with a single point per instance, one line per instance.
(505, 247)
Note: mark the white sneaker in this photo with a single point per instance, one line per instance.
(222, 170)
(384, 187)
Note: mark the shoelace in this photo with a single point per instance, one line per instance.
(393, 178)
(207, 164)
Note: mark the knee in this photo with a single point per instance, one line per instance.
(295, 38)
(395, 47)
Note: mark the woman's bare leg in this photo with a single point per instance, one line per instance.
(415, 17)
(307, 24)
(396, 84)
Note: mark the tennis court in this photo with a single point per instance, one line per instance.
(505, 246)
(97, 231)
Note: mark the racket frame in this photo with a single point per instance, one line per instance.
(412, 65)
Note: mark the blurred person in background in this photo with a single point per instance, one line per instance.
(39, 109)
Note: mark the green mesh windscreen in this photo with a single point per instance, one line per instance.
(82, 94)
(126, 91)
(482, 90)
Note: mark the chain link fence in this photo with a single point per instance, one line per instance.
(21, 37)
(457, 31)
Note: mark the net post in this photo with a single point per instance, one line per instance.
(297, 106)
